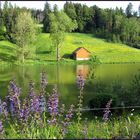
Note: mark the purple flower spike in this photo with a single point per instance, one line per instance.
(52, 106)
(107, 111)
(13, 98)
(24, 113)
(66, 121)
(31, 89)
(13, 88)
(80, 82)
(0, 107)
(42, 103)
(52, 121)
(53, 103)
(4, 109)
(1, 128)
(43, 82)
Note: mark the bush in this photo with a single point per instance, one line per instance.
(101, 99)
(95, 59)
(2, 37)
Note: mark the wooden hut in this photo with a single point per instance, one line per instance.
(81, 54)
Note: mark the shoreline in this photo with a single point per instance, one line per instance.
(61, 62)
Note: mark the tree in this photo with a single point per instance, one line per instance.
(139, 10)
(55, 9)
(25, 32)
(1, 16)
(79, 17)
(46, 12)
(1, 24)
(59, 25)
(135, 14)
(69, 9)
(129, 10)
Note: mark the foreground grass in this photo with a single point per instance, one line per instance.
(40, 50)
(119, 127)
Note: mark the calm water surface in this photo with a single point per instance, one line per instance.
(97, 78)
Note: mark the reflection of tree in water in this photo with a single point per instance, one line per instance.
(87, 71)
(5, 74)
(91, 74)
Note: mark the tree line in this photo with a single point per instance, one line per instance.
(114, 25)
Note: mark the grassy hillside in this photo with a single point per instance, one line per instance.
(105, 51)
(7, 51)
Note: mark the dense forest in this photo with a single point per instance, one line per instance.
(115, 25)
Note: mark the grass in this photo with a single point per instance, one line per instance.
(124, 127)
(121, 127)
(41, 49)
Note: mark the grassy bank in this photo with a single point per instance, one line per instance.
(122, 127)
(40, 50)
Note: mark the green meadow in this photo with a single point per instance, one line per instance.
(42, 50)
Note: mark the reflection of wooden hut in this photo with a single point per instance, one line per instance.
(82, 70)
(81, 54)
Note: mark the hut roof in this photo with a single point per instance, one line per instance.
(79, 49)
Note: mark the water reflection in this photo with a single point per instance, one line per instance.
(82, 70)
(99, 79)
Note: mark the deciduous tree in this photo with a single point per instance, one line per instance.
(60, 23)
(25, 33)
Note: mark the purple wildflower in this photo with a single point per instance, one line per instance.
(13, 98)
(69, 114)
(52, 121)
(13, 88)
(85, 129)
(36, 104)
(24, 111)
(12, 109)
(66, 121)
(62, 109)
(4, 109)
(1, 128)
(0, 107)
(80, 82)
(107, 111)
(42, 103)
(43, 82)
(53, 103)
(31, 89)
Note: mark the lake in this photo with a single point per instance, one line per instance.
(108, 78)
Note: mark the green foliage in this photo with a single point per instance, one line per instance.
(100, 100)
(25, 33)
(59, 24)
(94, 59)
(46, 12)
(129, 10)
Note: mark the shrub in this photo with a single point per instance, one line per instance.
(95, 59)
(101, 99)
(2, 37)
